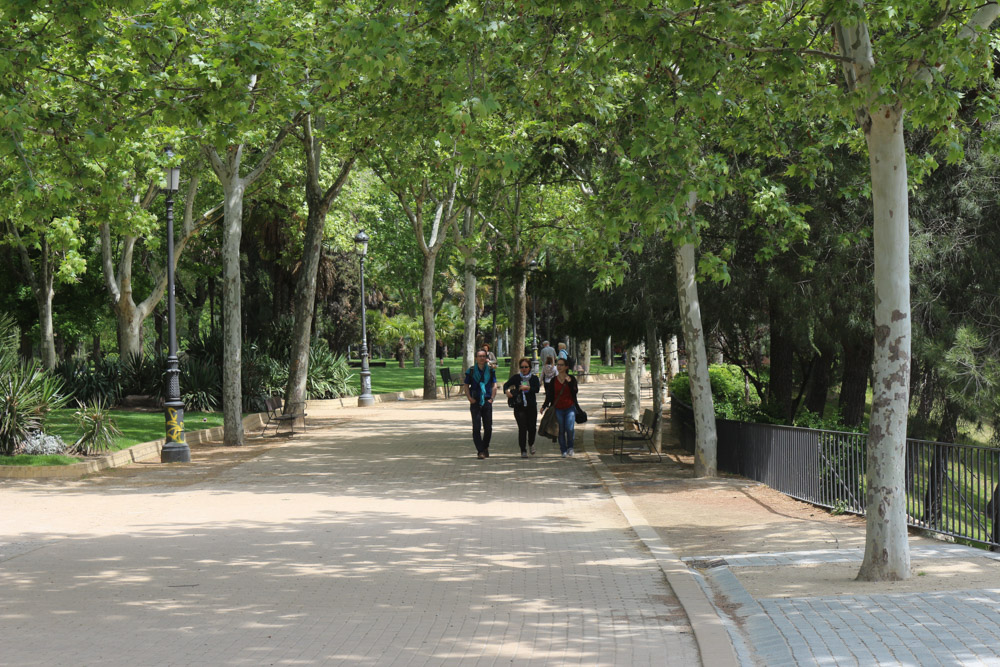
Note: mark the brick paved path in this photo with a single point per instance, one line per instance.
(377, 538)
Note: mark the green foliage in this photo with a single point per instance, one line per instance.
(728, 390)
(329, 376)
(27, 392)
(201, 384)
(87, 381)
(20, 416)
(97, 427)
(143, 375)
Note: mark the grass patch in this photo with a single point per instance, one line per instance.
(136, 427)
(38, 460)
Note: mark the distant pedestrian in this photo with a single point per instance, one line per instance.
(562, 396)
(521, 389)
(546, 351)
(548, 372)
(490, 357)
(563, 353)
(480, 389)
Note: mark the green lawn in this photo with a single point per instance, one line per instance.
(136, 427)
(42, 460)
(392, 378)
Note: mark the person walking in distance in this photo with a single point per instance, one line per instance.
(481, 389)
(563, 397)
(521, 389)
(562, 353)
(546, 351)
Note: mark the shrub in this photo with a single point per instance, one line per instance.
(728, 390)
(201, 385)
(330, 375)
(98, 428)
(27, 393)
(143, 375)
(87, 382)
(41, 444)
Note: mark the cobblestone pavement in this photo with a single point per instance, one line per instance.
(950, 627)
(785, 584)
(375, 538)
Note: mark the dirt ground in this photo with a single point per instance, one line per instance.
(707, 519)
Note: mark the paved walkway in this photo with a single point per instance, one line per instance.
(375, 538)
(378, 538)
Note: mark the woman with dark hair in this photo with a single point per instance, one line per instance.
(521, 389)
(562, 396)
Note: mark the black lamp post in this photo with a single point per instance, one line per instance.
(365, 399)
(532, 266)
(175, 449)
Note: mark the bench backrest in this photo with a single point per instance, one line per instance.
(273, 404)
(648, 419)
(446, 375)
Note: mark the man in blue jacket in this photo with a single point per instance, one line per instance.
(480, 389)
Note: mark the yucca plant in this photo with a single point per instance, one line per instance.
(329, 375)
(19, 402)
(27, 392)
(201, 385)
(97, 426)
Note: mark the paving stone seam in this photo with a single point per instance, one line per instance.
(715, 642)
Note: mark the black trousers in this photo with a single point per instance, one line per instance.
(527, 421)
(482, 420)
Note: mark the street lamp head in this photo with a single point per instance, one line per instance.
(171, 175)
(361, 243)
(532, 265)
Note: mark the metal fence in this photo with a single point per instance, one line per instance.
(950, 489)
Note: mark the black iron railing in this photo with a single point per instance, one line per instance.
(950, 489)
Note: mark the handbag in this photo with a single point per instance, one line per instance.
(512, 402)
(549, 426)
(581, 416)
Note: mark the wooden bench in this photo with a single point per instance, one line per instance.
(448, 381)
(643, 434)
(277, 416)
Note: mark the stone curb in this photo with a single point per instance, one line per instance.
(710, 633)
(146, 451)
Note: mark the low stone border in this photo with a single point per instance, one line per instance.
(146, 451)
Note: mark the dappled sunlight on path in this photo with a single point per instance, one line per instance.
(374, 538)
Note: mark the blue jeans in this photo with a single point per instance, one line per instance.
(567, 424)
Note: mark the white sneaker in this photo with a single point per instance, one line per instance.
(564, 454)
(570, 452)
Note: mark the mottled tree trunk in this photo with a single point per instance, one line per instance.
(318, 202)
(656, 371)
(887, 553)
(585, 355)
(232, 309)
(520, 318)
(430, 330)
(469, 314)
(673, 359)
(706, 436)
(43, 297)
(634, 368)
